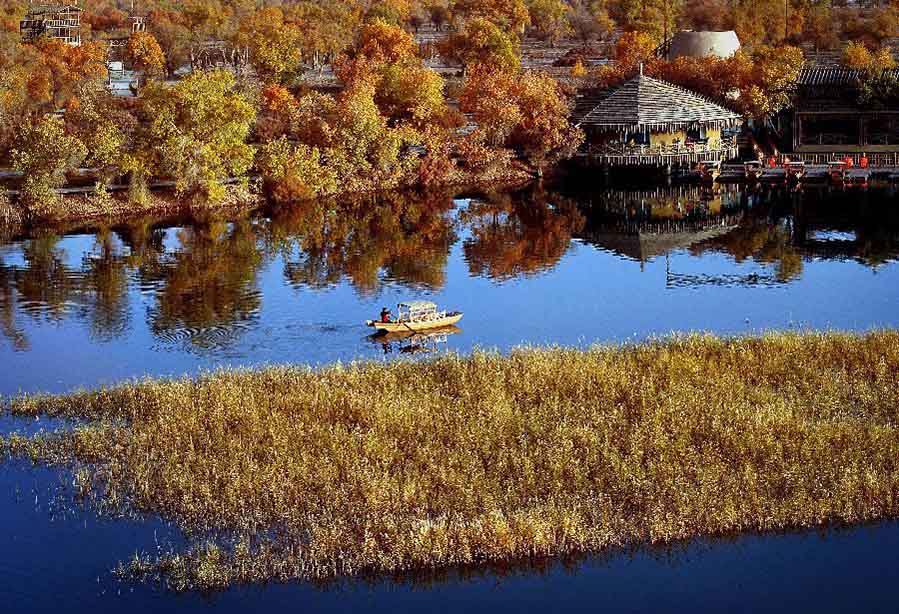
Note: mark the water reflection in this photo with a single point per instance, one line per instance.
(207, 288)
(518, 234)
(415, 342)
(402, 237)
(200, 287)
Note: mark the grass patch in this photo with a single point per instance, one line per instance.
(375, 467)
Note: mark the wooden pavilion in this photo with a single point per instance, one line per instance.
(649, 122)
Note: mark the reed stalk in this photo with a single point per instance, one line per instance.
(387, 467)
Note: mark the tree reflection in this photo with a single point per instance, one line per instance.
(520, 235)
(762, 241)
(104, 286)
(406, 236)
(45, 285)
(204, 278)
(8, 311)
(46, 288)
(208, 284)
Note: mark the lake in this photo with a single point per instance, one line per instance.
(85, 307)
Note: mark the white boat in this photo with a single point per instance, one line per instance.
(415, 316)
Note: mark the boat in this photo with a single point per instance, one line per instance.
(415, 316)
(857, 178)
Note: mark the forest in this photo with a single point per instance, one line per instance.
(342, 96)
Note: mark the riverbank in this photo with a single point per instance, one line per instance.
(378, 467)
(116, 207)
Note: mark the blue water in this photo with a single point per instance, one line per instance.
(88, 307)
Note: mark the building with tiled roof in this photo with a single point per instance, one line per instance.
(829, 120)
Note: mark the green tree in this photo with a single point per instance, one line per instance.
(195, 132)
(43, 153)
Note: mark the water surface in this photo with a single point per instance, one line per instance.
(83, 307)
(157, 297)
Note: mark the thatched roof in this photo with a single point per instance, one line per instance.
(644, 103)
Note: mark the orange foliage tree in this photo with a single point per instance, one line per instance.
(146, 55)
(527, 112)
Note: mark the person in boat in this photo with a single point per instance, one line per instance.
(385, 315)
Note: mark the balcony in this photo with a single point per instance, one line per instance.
(692, 150)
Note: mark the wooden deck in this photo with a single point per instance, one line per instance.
(659, 159)
(814, 173)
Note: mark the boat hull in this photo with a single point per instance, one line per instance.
(420, 325)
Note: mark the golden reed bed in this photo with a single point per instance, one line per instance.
(378, 467)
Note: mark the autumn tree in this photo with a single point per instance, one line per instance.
(634, 48)
(393, 12)
(549, 19)
(195, 132)
(364, 147)
(98, 120)
(589, 20)
(527, 113)
(295, 172)
(277, 110)
(275, 45)
(857, 55)
(511, 16)
(104, 18)
(328, 27)
(438, 12)
(405, 89)
(43, 153)
(656, 18)
(483, 42)
(757, 83)
(819, 27)
(146, 55)
(171, 30)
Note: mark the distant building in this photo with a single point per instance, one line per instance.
(827, 120)
(59, 21)
(703, 44)
(649, 122)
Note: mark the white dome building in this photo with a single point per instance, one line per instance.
(704, 44)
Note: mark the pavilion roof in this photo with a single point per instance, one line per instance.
(647, 103)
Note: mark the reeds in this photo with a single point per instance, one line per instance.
(11, 217)
(457, 460)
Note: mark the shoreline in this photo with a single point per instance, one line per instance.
(468, 460)
(117, 208)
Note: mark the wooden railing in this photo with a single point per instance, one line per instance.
(674, 149)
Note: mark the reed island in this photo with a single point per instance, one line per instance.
(300, 473)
